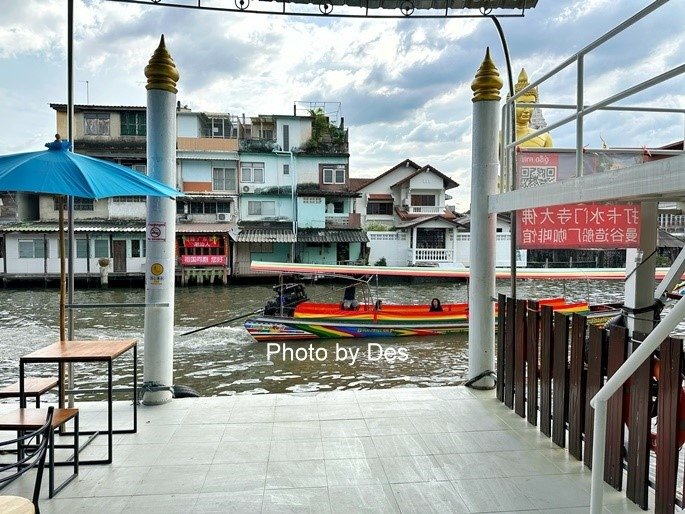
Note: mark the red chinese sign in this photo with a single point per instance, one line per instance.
(203, 260)
(579, 226)
(201, 241)
(571, 226)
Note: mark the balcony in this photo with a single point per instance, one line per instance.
(343, 220)
(672, 222)
(206, 144)
(425, 209)
(417, 255)
(258, 145)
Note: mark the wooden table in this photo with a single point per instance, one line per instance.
(88, 351)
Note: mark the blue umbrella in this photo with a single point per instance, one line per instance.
(60, 171)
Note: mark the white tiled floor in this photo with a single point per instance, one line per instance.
(400, 450)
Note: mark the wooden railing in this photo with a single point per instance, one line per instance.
(550, 365)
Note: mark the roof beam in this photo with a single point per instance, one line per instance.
(655, 180)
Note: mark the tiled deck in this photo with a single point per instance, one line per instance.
(445, 449)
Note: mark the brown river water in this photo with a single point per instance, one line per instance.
(226, 361)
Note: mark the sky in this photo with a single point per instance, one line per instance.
(403, 84)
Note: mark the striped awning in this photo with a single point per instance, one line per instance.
(332, 236)
(261, 235)
(203, 228)
(79, 226)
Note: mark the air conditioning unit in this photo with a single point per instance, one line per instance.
(223, 216)
(247, 189)
(184, 217)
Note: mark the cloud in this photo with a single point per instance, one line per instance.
(404, 84)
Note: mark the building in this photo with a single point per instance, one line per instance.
(270, 187)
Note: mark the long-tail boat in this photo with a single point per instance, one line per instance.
(291, 315)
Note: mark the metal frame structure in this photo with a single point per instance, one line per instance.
(353, 9)
(656, 180)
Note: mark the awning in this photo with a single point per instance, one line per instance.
(375, 197)
(203, 228)
(264, 236)
(91, 226)
(332, 236)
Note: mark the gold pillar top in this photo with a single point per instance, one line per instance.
(488, 82)
(161, 71)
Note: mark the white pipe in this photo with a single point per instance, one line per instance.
(640, 355)
(599, 444)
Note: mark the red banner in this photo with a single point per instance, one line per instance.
(201, 241)
(579, 226)
(573, 226)
(203, 260)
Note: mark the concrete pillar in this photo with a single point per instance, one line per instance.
(161, 228)
(484, 170)
(640, 267)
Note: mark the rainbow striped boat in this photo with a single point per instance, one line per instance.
(292, 316)
(313, 320)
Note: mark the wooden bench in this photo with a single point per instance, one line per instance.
(29, 419)
(33, 388)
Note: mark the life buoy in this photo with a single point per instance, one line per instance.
(680, 433)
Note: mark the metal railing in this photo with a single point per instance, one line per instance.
(507, 175)
(507, 180)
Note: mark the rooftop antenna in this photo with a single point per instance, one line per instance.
(87, 91)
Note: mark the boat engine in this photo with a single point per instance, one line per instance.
(288, 296)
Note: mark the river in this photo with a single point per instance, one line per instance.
(226, 361)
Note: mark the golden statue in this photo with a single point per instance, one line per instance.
(524, 115)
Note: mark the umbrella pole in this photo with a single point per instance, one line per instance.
(62, 296)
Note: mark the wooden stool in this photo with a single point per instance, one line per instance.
(33, 387)
(31, 419)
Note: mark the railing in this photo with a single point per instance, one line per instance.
(425, 209)
(430, 255)
(581, 110)
(549, 366)
(672, 222)
(346, 220)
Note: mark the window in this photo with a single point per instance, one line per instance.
(423, 200)
(286, 169)
(384, 208)
(80, 204)
(335, 206)
(267, 134)
(286, 139)
(255, 208)
(252, 172)
(81, 248)
(101, 247)
(128, 199)
(32, 249)
(223, 179)
(133, 123)
(84, 204)
(138, 248)
(334, 175)
(203, 207)
(96, 124)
